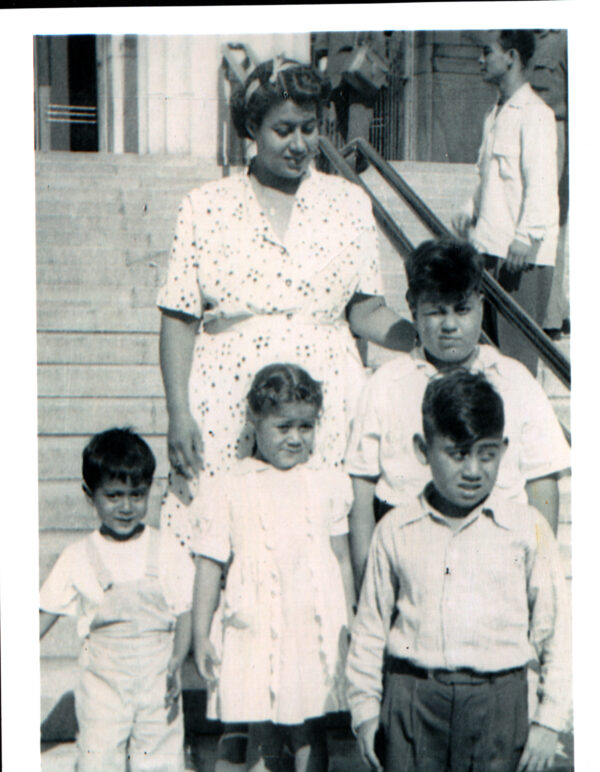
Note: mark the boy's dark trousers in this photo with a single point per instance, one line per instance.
(436, 721)
(530, 288)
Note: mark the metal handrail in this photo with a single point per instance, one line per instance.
(497, 296)
(396, 234)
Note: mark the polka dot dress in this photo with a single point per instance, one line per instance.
(265, 299)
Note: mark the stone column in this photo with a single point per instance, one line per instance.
(178, 87)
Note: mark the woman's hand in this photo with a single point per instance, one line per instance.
(462, 223)
(206, 659)
(185, 444)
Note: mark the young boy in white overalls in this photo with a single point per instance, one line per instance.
(132, 613)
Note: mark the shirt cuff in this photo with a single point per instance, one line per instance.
(550, 714)
(366, 710)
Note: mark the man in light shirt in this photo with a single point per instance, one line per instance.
(462, 590)
(513, 215)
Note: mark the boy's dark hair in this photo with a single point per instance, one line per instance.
(443, 268)
(521, 40)
(463, 406)
(263, 90)
(280, 384)
(117, 454)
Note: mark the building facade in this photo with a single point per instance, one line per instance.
(167, 94)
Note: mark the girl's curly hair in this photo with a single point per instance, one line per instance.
(279, 384)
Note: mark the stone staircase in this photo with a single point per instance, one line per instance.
(104, 225)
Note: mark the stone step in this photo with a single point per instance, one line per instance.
(52, 221)
(146, 205)
(116, 273)
(105, 319)
(47, 194)
(59, 457)
(115, 164)
(65, 348)
(133, 175)
(100, 381)
(98, 254)
(114, 236)
(98, 295)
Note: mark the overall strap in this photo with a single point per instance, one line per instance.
(152, 553)
(102, 573)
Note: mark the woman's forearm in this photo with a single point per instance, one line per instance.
(207, 588)
(374, 321)
(177, 339)
(182, 639)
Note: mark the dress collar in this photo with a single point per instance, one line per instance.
(251, 465)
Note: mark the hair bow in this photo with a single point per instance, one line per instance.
(280, 64)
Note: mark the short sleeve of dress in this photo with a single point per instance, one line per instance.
(371, 281)
(340, 501)
(181, 290)
(209, 515)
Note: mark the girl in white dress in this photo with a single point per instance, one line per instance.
(273, 652)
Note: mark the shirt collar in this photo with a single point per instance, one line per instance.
(493, 507)
(485, 360)
(522, 96)
(251, 465)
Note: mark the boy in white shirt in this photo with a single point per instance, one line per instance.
(444, 294)
(462, 589)
(133, 614)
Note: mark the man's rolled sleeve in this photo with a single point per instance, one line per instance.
(362, 452)
(543, 448)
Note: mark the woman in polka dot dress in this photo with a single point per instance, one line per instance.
(278, 263)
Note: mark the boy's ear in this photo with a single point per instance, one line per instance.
(504, 445)
(88, 493)
(515, 58)
(420, 448)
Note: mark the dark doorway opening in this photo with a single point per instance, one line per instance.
(83, 92)
(66, 93)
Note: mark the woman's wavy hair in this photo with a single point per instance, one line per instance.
(281, 384)
(271, 83)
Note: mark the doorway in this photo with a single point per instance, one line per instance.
(66, 103)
